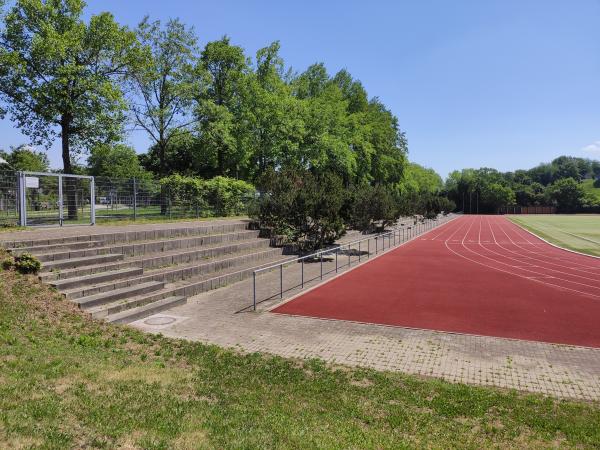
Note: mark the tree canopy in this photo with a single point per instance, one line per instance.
(26, 158)
(553, 184)
(116, 161)
(209, 111)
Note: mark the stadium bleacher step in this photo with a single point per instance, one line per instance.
(91, 280)
(123, 276)
(159, 260)
(171, 273)
(140, 312)
(106, 310)
(81, 262)
(149, 247)
(182, 288)
(117, 294)
(88, 270)
(135, 234)
(55, 247)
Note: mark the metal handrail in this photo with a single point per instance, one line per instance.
(416, 229)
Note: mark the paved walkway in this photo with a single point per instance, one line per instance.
(221, 317)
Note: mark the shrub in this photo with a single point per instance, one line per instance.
(8, 263)
(220, 196)
(228, 196)
(27, 263)
(371, 207)
(304, 207)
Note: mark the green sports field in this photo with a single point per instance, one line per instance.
(575, 232)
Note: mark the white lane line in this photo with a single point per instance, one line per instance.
(535, 280)
(546, 255)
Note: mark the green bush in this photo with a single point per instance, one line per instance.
(219, 196)
(305, 208)
(8, 263)
(27, 263)
(228, 196)
(370, 208)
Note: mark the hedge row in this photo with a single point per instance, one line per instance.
(219, 196)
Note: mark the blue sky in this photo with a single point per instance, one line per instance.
(504, 84)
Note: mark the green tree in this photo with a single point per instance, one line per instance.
(115, 161)
(494, 196)
(567, 194)
(59, 75)
(304, 207)
(371, 208)
(273, 119)
(164, 87)
(422, 179)
(223, 67)
(26, 158)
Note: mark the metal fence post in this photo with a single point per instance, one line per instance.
(336, 260)
(254, 290)
(22, 200)
(302, 273)
(60, 201)
(358, 251)
(368, 248)
(376, 244)
(349, 256)
(93, 201)
(134, 199)
(321, 266)
(281, 281)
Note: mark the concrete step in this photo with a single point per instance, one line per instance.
(91, 280)
(204, 283)
(55, 247)
(80, 262)
(149, 309)
(193, 286)
(116, 294)
(106, 310)
(76, 272)
(149, 247)
(183, 257)
(161, 260)
(134, 233)
(172, 274)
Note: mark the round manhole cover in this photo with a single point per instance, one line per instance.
(160, 320)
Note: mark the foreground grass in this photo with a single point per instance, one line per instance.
(66, 381)
(575, 232)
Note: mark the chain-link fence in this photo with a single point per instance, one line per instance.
(137, 199)
(9, 194)
(57, 199)
(51, 199)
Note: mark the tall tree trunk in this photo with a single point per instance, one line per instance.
(65, 125)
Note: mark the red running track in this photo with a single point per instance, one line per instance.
(480, 275)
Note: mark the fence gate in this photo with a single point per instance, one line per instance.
(56, 199)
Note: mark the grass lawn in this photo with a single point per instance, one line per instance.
(67, 381)
(575, 232)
